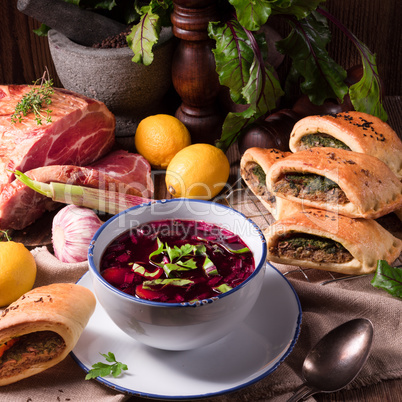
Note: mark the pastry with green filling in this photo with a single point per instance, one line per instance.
(331, 242)
(254, 166)
(350, 183)
(41, 328)
(353, 131)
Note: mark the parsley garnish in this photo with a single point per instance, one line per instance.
(179, 257)
(34, 100)
(103, 369)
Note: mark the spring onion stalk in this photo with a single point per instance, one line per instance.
(111, 202)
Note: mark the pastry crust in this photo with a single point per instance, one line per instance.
(265, 158)
(62, 308)
(365, 239)
(361, 132)
(371, 188)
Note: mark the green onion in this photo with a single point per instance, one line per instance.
(165, 282)
(209, 267)
(111, 202)
(223, 288)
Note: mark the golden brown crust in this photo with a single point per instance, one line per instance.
(371, 187)
(266, 157)
(63, 308)
(365, 239)
(361, 132)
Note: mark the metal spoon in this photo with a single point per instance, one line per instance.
(336, 359)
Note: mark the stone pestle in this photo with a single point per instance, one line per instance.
(81, 26)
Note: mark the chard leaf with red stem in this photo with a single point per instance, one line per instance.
(252, 14)
(145, 34)
(240, 66)
(322, 77)
(298, 8)
(388, 278)
(365, 95)
(143, 37)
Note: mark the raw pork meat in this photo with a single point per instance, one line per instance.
(119, 171)
(132, 169)
(81, 132)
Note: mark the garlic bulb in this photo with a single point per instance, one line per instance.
(72, 230)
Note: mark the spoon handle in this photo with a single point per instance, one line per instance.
(301, 393)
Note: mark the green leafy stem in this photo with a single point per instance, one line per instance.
(388, 278)
(101, 369)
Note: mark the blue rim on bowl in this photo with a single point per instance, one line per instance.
(258, 264)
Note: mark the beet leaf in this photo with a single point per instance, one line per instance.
(365, 95)
(241, 67)
(388, 278)
(322, 77)
(143, 37)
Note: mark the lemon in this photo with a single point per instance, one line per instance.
(197, 171)
(159, 137)
(17, 271)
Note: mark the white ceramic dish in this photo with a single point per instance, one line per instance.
(251, 352)
(186, 325)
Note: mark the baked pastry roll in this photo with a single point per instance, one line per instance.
(41, 328)
(353, 184)
(254, 165)
(353, 131)
(331, 242)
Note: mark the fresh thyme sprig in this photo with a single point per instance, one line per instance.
(34, 101)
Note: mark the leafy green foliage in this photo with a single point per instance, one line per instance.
(145, 34)
(178, 258)
(239, 57)
(322, 77)
(103, 369)
(143, 37)
(388, 278)
(298, 8)
(240, 54)
(252, 14)
(34, 101)
(365, 95)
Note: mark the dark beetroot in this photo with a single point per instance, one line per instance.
(145, 261)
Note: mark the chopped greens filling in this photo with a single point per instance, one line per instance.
(310, 183)
(258, 172)
(328, 245)
(312, 248)
(322, 140)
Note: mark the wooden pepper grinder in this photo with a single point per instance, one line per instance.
(193, 69)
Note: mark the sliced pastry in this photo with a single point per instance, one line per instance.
(351, 183)
(331, 242)
(41, 328)
(254, 166)
(354, 131)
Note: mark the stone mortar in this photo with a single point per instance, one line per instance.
(131, 91)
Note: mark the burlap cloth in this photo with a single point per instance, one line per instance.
(324, 307)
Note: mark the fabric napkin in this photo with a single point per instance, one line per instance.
(324, 307)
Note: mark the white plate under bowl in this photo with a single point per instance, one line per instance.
(251, 352)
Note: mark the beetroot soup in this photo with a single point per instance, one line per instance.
(175, 261)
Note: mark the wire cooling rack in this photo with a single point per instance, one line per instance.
(241, 198)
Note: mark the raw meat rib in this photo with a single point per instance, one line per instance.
(119, 171)
(81, 132)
